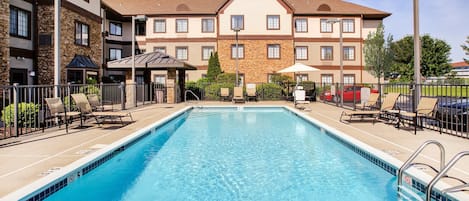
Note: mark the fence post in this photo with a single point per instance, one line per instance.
(135, 94)
(69, 95)
(414, 97)
(122, 86)
(15, 102)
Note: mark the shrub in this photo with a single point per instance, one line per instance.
(90, 89)
(269, 91)
(226, 78)
(27, 114)
(212, 92)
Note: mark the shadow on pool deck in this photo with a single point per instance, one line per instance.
(27, 159)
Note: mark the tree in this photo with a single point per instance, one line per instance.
(378, 53)
(214, 68)
(466, 49)
(434, 58)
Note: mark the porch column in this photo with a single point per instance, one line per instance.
(171, 86)
(182, 83)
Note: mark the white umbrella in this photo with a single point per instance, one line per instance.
(298, 67)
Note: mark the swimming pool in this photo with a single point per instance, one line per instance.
(235, 153)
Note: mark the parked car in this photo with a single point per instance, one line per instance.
(454, 114)
(349, 96)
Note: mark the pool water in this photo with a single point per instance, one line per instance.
(226, 154)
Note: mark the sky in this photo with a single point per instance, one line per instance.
(442, 19)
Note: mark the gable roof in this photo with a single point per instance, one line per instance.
(154, 60)
(336, 7)
(164, 7)
(459, 64)
(212, 7)
(81, 61)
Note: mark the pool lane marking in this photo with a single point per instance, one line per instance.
(387, 141)
(53, 156)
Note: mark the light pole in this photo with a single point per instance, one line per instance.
(341, 60)
(134, 88)
(416, 53)
(236, 30)
(57, 63)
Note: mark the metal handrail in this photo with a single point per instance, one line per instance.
(185, 95)
(409, 161)
(442, 173)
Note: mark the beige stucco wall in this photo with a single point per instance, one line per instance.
(194, 50)
(314, 53)
(194, 28)
(93, 6)
(314, 28)
(255, 17)
(360, 76)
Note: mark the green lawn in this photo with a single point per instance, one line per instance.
(451, 91)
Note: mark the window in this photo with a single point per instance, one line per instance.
(326, 79)
(81, 34)
(160, 79)
(115, 54)
(273, 51)
(348, 26)
(115, 29)
(20, 21)
(160, 49)
(181, 53)
(301, 25)
(349, 53)
(349, 79)
(241, 79)
(301, 53)
(240, 51)
(326, 27)
(301, 77)
(326, 53)
(160, 26)
(237, 21)
(273, 22)
(206, 52)
(181, 25)
(270, 77)
(140, 28)
(208, 25)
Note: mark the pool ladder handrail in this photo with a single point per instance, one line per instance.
(409, 163)
(443, 172)
(190, 91)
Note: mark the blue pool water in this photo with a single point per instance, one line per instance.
(224, 154)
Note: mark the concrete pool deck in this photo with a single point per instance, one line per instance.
(26, 159)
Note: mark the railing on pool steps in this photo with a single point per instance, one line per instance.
(406, 193)
(191, 92)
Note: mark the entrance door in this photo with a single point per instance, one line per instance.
(19, 76)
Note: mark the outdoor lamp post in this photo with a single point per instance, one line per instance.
(134, 88)
(236, 30)
(341, 60)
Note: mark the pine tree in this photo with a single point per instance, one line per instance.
(213, 67)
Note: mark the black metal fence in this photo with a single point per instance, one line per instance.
(24, 109)
(452, 108)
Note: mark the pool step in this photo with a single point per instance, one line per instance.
(406, 194)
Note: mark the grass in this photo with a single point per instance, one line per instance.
(441, 90)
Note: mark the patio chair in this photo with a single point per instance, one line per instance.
(57, 110)
(238, 96)
(300, 98)
(251, 92)
(425, 110)
(96, 104)
(224, 94)
(370, 104)
(387, 107)
(86, 110)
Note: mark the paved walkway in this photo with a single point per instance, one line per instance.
(28, 159)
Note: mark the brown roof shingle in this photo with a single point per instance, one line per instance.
(190, 7)
(164, 7)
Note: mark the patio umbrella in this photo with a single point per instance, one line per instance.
(298, 67)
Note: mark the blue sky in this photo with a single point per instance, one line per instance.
(443, 19)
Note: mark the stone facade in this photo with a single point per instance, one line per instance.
(4, 42)
(68, 47)
(255, 65)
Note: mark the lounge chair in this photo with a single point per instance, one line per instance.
(96, 104)
(224, 94)
(300, 98)
(238, 96)
(251, 92)
(425, 110)
(370, 104)
(387, 107)
(86, 110)
(57, 110)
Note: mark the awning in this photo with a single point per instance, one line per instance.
(153, 60)
(82, 61)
